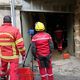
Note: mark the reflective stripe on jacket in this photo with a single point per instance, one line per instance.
(11, 42)
(41, 40)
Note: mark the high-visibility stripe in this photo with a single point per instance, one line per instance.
(22, 49)
(19, 40)
(9, 57)
(50, 74)
(44, 75)
(13, 48)
(7, 34)
(39, 39)
(4, 38)
(6, 43)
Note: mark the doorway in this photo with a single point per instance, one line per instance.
(50, 20)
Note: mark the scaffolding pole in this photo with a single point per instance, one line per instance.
(13, 12)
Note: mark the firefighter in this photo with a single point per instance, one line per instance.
(42, 47)
(58, 37)
(11, 44)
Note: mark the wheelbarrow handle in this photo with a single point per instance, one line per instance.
(26, 56)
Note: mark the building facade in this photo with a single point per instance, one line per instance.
(26, 10)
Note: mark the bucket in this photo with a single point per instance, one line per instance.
(66, 55)
(25, 74)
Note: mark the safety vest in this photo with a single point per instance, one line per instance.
(11, 42)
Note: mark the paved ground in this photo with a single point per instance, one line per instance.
(65, 69)
(61, 77)
(70, 67)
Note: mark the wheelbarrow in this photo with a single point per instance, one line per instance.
(25, 74)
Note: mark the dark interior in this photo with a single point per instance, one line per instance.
(52, 20)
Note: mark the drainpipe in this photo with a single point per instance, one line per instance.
(13, 12)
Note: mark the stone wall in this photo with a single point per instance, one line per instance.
(77, 29)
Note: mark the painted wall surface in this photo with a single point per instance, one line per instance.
(2, 14)
(27, 38)
(70, 34)
(18, 21)
(47, 5)
(7, 2)
(4, 2)
(8, 12)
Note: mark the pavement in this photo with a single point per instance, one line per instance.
(65, 69)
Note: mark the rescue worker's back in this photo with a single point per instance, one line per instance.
(42, 43)
(11, 35)
(11, 44)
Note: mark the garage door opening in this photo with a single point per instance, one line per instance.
(53, 22)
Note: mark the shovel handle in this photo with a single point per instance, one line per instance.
(26, 55)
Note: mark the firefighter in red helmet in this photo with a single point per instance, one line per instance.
(11, 44)
(42, 47)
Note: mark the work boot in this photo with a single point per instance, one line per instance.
(3, 78)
